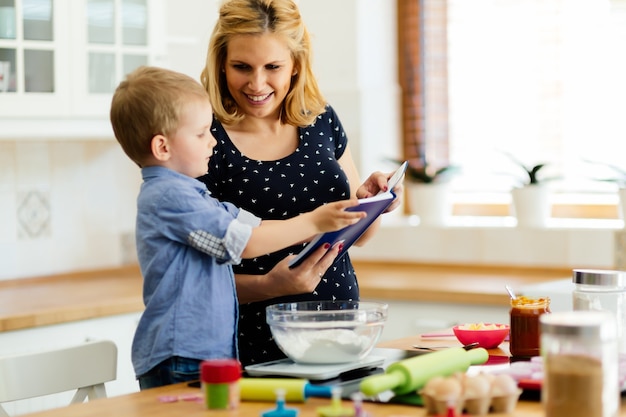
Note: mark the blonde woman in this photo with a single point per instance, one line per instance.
(281, 151)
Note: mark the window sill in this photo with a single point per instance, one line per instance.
(489, 240)
(560, 210)
(509, 222)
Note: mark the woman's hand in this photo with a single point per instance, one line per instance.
(282, 280)
(376, 183)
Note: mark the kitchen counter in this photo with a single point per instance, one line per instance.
(463, 284)
(32, 302)
(149, 402)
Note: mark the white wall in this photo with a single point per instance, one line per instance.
(356, 65)
(190, 23)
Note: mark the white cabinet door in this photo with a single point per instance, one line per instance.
(33, 52)
(61, 60)
(113, 38)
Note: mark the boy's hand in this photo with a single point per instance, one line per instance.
(334, 216)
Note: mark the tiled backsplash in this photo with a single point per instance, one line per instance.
(64, 206)
(33, 214)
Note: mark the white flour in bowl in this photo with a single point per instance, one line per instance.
(325, 346)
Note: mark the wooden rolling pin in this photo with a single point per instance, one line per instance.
(409, 375)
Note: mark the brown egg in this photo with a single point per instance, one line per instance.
(447, 389)
(490, 377)
(502, 385)
(431, 386)
(477, 386)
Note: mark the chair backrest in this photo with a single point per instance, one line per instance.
(84, 367)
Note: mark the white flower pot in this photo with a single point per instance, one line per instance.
(531, 205)
(430, 202)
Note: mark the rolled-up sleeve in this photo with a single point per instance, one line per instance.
(229, 247)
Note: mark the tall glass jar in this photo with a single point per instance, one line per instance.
(524, 337)
(579, 351)
(602, 290)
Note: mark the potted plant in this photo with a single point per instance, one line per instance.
(618, 178)
(423, 173)
(427, 191)
(530, 195)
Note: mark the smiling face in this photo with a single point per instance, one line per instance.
(191, 145)
(258, 73)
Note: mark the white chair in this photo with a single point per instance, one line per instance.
(85, 367)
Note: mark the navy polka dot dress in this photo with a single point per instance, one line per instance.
(281, 189)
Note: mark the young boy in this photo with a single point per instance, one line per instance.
(187, 240)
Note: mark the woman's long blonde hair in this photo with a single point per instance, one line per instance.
(304, 101)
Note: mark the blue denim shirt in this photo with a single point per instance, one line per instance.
(186, 243)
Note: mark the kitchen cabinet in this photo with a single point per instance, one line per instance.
(60, 61)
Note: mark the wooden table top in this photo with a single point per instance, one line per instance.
(148, 403)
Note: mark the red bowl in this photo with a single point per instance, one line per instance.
(486, 338)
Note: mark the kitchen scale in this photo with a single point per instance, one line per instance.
(312, 372)
(347, 376)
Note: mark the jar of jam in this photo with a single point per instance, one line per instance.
(525, 330)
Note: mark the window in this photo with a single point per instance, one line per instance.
(540, 79)
(60, 61)
(117, 39)
(33, 48)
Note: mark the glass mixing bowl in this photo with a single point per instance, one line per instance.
(326, 332)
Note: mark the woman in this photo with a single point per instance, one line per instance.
(281, 151)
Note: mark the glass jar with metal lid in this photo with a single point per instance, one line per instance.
(597, 289)
(580, 364)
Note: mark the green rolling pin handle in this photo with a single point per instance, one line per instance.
(411, 374)
(376, 384)
(478, 356)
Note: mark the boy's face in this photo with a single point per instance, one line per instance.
(192, 144)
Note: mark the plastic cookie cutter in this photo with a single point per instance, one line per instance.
(335, 409)
(280, 410)
(357, 403)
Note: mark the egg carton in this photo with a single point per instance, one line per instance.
(475, 395)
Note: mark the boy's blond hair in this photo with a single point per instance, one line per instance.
(148, 103)
(304, 101)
